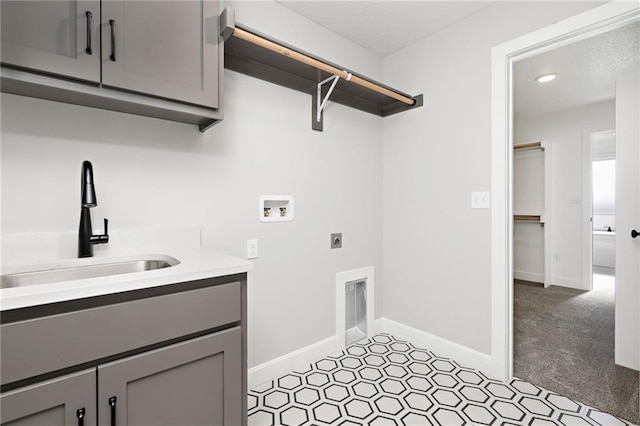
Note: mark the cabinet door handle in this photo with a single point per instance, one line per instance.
(112, 23)
(112, 403)
(80, 414)
(89, 16)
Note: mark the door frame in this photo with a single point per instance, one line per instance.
(590, 23)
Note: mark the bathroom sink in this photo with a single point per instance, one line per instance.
(70, 272)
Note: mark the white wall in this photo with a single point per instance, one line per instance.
(528, 199)
(528, 251)
(564, 131)
(603, 155)
(436, 250)
(156, 173)
(604, 194)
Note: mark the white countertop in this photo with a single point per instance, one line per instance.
(194, 264)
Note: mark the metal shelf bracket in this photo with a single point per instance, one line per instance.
(320, 101)
(321, 105)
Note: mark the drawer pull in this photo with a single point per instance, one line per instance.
(112, 23)
(80, 414)
(112, 403)
(89, 16)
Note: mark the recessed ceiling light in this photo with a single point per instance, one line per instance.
(546, 78)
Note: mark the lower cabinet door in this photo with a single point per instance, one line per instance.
(197, 382)
(67, 400)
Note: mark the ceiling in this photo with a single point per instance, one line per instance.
(587, 71)
(384, 27)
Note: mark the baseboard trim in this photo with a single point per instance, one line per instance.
(297, 359)
(567, 282)
(465, 356)
(302, 357)
(534, 277)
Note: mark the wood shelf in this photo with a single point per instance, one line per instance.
(248, 52)
(527, 218)
(530, 145)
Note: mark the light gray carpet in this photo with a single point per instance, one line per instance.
(564, 342)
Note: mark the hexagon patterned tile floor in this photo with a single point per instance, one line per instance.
(386, 381)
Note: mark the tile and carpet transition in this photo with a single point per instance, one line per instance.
(564, 342)
(385, 381)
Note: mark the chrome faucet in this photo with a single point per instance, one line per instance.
(86, 239)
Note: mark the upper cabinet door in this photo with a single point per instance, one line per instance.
(168, 49)
(56, 37)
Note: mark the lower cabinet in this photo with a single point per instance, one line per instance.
(64, 401)
(165, 355)
(188, 383)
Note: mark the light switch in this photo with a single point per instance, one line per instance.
(480, 200)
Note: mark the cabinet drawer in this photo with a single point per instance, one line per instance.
(42, 345)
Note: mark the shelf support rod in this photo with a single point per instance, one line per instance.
(321, 105)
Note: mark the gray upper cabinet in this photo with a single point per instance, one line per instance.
(57, 37)
(165, 48)
(161, 59)
(64, 401)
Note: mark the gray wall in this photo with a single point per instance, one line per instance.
(436, 249)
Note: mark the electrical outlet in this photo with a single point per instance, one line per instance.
(556, 257)
(252, 249)
(480, 200)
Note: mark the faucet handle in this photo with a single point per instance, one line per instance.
(101, 238)
(104, 238)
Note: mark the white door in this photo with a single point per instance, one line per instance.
(627, 324)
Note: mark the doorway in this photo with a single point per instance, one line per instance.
(564, 330)
(599, 20)
(564, 337)
(600, 179)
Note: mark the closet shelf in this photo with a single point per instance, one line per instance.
(530, 145)
(249, 52)
(528, 218)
